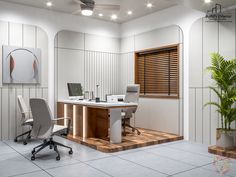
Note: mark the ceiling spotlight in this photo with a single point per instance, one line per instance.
(129, 12)
(49, 4)
(100, 15)
(207, 1)
(149, 5)
(87, 12)
(114, 17)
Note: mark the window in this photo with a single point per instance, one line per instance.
(157, 72)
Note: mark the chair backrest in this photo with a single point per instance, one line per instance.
(132, 95)
(25, 112)
(42, 127)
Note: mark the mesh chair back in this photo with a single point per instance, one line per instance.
(132, 95)
(42, 127)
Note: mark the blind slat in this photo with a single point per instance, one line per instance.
(157, 71)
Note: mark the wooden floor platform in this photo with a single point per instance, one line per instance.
(130, 141)
(222, 152)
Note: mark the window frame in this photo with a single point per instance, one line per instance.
(153, 50)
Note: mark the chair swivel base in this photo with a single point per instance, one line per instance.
(28, 133)
(124, 125)
(51, 144)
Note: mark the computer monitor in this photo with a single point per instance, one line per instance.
(74, 89)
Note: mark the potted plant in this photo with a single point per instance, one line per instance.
(223, 72)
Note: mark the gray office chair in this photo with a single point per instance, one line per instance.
(26, 119)
(132, 95)
(45, 127)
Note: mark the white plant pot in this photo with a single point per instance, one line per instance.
(225, 138)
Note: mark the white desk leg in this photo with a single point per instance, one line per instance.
(115, 125)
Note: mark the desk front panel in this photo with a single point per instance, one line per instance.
(86, 121)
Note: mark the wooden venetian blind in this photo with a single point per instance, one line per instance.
(157, 72)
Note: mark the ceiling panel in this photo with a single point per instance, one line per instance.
(137, 6)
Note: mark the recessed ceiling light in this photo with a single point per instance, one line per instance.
(207, 1)
(87, 12)
(129, 12)
(149, 5)
(49, 4)
(100, 15)
(114, 17)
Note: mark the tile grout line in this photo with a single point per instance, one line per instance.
(27, 159)
(190, 151)
(25, 173)
(172, 158)
(200, 167)
(118, 156)
(98, 170)
(45, 170)
(142, 165)
(178, 160)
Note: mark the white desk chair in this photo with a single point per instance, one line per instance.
(45, 127)
(26, 119)
(132, 95)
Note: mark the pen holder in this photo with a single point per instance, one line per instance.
(97, 99)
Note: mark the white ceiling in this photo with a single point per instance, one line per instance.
(137, 6)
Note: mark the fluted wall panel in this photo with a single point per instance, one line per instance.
(20, 35)
(90, 60)
(101, 69)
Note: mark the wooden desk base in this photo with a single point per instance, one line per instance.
(95, 121)
(131, 141)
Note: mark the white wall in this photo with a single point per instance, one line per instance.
(206, 38)
(15, 34)
(87, 59)
(153, 113)
(52, 22)
(178, 15)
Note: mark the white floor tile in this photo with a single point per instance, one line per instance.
(183, 156)
(35, 174)
(76, 170)
(117, 167)
(15, 164)
(162, 164)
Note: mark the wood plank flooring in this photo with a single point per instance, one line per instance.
(130, 141)
(222, 152)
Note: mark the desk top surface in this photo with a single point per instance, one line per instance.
(99, 104)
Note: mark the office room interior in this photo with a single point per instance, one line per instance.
(117, 88)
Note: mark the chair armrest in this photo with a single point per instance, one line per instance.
(68, 125)
(26, 112)
(61, 118)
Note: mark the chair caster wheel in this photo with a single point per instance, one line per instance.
(15, 140)
(50, 147)
(58, 158)
(139, 133)
(32, 152)
(25, 143)
(33, 158)
(70, 152)
(133, 130)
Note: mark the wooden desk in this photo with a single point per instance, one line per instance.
(90, 119)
